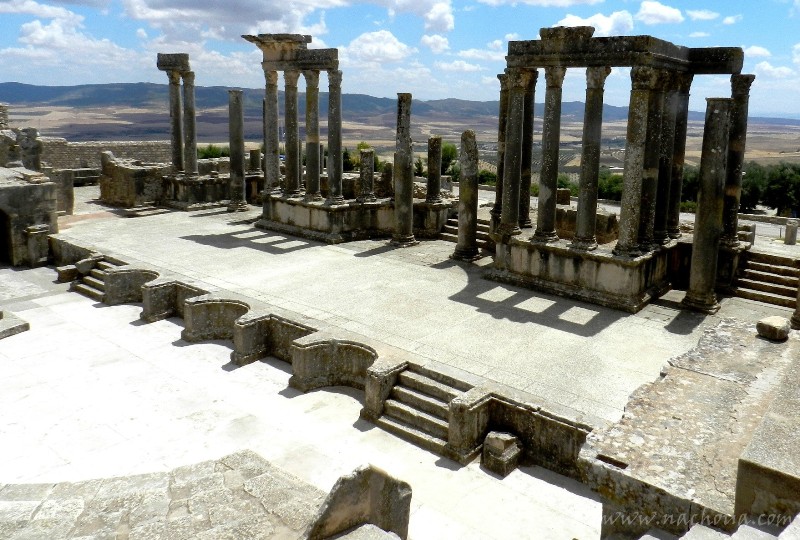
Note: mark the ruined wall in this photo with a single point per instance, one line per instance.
(61, 154)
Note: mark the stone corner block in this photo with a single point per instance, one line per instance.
(501, 452)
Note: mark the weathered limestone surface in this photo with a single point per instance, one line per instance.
(28, 213)
(403, 176)
(774, 328)
(501, 452)
(467, 247)
(130, 183)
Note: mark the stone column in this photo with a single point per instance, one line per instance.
(643, 79)
(335, 138)
(272, 160)
(236, 145)
(467, 247)
(527, 153)
(708, 219)
(293, 163)
(190, 123)
(512, 162)
(312, 136)
(590, 159)
(551, 135)
(684, 82)
(497, 210)
(740, 86)
(667, 144)
(254, 163)
(434, 170)
(176, 119)
(652, 150)
(403, 176)
(367, 176)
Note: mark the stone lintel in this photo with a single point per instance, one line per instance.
(716, 60)
(305, 60)
(173, 62)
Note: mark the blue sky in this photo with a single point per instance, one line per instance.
(431, 48)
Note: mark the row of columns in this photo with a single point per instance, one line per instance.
(183, 122)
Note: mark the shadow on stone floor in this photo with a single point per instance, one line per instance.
(258, 240)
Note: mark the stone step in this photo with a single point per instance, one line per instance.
(420, 401)
(767, 298)
(91, 292)
(701, 532)
(435, 427)
(775, 260)
(769, 277)
(412, 434)
(774, 288)
(144, 211)
(437, 376)
(95, 283)
(97, 273)
(448, 237)
(105, 265)
(428, 386)
(773, 268)
(450, 229)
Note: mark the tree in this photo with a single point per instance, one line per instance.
(449, 157)
(691, 183)
(782, 189)
(609, 186)
(754, 180)
(487, 177)
(418, 170)
(347, 163)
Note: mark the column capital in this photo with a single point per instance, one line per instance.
(174, 77)
(188, 77)
(596, 77)
(503, 78)
(334, 77)
(271, 76)
(644, 77)
(554, 75)
(312, 77)
(517, 78)
(290, 77)
(740, 84)
(534, 76)
(684, 81)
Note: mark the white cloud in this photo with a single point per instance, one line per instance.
(437, 14)
(141, 33)
(512, 37)
(699, 34)
(732, 19)
(767, 70)
(757, 51)
(702, 14)
(44, 11)
(543, 3)
(496, 45)
(458, 65)
(652, 12)
(376, 47)
(796, 51)
(619, 22)
(436, 43)
(482, 54)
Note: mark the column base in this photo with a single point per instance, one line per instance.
(544, 237)
(404, 240)
(628, 252)
(293, 194)
(729, 242)
(704, 303)
(313, 197)
(662, 238)
(674, 233)
(468, 254)
(506, 229)
(435, 200)
(238, 206)
(367, 198)
(584, 244)
(525, 224)
(334, 201)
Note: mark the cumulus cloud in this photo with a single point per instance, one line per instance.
(702, 14)
(458, 65)
(756, 51)
(619, 22)
(436, 43)
(43, 11)
(483, 54)
(732, 19)
(767, 70)
(437, 14)
(376, 47)
(652, 12)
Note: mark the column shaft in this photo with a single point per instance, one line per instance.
(590, 159)
(434, 194)
(527, 153)
(403, 176)
(512, 162)
(467, 247)
(652, 150)
(176, 119)
(272, 160)
(312, 136)
(190, 124)
(684, 82)
(708, 219)
(367, 175)
(293, 162)
(643, 79)
(740, 86)
(670, 115)
(335, 164)
(236, 145)
(497, 210)
(551, 135)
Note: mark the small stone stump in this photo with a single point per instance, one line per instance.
(501, 452)
(791, 232)
(773, 328)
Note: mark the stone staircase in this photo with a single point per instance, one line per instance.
(767, 278)
(450, 233)
(744, 532)
(93, 284)
(417, 408)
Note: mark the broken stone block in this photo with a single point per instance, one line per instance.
(501, 452)
(775, 328)
(67, 273)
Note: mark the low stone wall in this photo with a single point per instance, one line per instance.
(62, 154)
(130, 183)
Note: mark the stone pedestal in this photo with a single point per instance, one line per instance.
(501, 452)
(403, 176)
(236, 145)
(467, 247)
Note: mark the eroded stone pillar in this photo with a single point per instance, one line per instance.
(740, 90)
(236, 145)
(335, 138)
(509, 218)
(367, 175)
(652, 152)
(590, 158)
(176, 119)
(293, 163)
(272, 160)
(190, 124)
(467, 247)
(403, 176)
(312, 136)
(643, 79)
(497, 210)
(434, 194)
(708, 219)
(527, 153)
(551, 135)
(667, 145)
(684, 83)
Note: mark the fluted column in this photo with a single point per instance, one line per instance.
(293, 163)
(527, 153)
(467, 247)
(497, 210)
(590, 158)
(740, 90)
(684, 82)
(176, 119)
(643, 79)
(312, 136)
(272, 160)
(667, 144)
(403, 176)
(434, 194)
(190, 124)
(652, 150)
(512, 162)
(236, 145)
(708, 219)
(335, 138)
(551, 135)
(367, 175)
